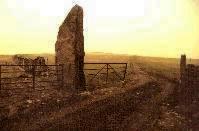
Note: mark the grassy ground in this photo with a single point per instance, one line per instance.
(160, 67)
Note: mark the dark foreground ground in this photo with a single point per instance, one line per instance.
(148, 100)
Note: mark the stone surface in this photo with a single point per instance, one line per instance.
(189, 81)
(69, 48)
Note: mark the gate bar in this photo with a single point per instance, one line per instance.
(125, 72)
(105, 63)
(107, 73)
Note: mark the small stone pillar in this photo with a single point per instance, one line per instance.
(183, 65)
(69, 49)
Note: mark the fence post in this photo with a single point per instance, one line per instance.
(0, 77)
(33, 76)
(107, 73)
(125, 72)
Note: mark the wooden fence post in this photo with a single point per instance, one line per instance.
(125, 72)
(0, 77)
(33, 76)
(107, 73)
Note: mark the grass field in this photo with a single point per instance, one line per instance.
(161, 67)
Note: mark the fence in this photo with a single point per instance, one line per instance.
(105, 72)
(32, 75)
(43, 75)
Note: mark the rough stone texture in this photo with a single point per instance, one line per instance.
(69, 48)
(182, 69)
(189, 74)
(189, 78)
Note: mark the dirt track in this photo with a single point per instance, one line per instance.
(106, 114)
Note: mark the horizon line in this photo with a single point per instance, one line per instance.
(99, 53)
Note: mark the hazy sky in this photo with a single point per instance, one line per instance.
(165, 28)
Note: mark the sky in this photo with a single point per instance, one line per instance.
(163, 28)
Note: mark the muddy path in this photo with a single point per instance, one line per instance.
(138, 109)
(107, 114)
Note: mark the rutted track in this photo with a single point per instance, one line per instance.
(108, 113)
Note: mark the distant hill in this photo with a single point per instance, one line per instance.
(106, 57)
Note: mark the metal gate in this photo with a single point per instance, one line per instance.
(105, 72)
(32, 76)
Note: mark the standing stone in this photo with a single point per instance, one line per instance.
(183, 65)
(69, 49)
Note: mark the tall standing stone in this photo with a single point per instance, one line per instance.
(69, 48)
(183, 65)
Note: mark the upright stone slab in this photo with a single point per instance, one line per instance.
(183, 65)
(69, 48)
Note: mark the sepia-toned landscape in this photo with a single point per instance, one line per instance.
(148, 99)
(110, 65)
